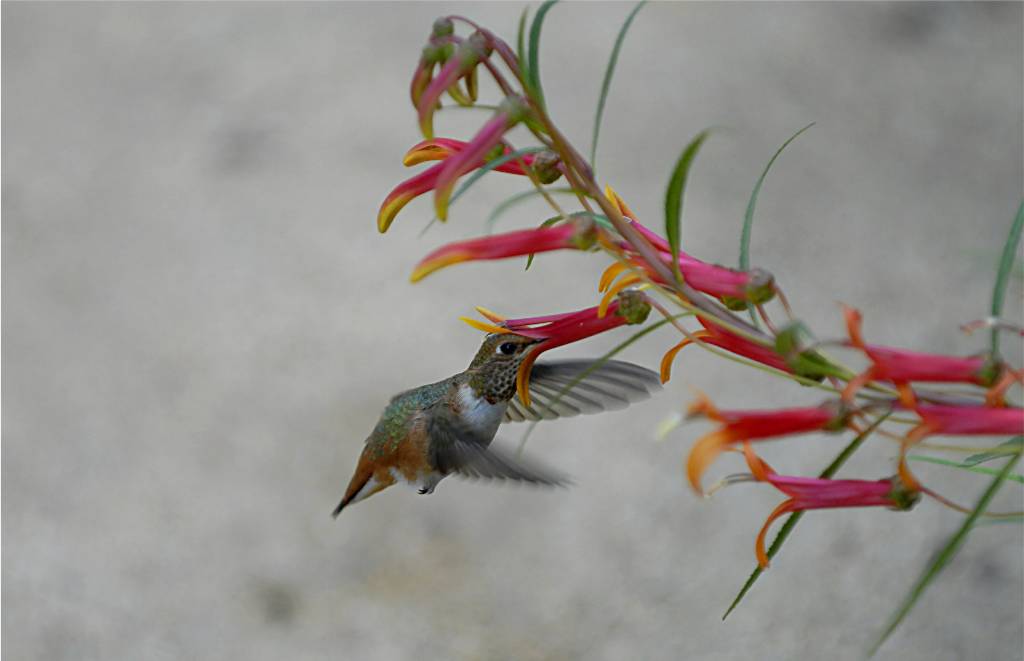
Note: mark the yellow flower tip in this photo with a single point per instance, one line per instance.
(618, 202)
(483, 326)
(389, 210)
(703, 454)
(610, 274)
(428, 266)
(423, 153)
(669, 357)
(523, 378)
(493, 316)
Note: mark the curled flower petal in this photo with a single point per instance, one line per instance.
(670, 355)
(610, 274)
(485, 327)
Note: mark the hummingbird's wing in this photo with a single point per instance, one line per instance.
(563, 389)
(455, 448)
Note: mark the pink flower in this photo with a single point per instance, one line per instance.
(738, 426)
(808, 493)
(578, 234)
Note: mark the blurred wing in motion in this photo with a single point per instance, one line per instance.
(613, 385)
(456, 449)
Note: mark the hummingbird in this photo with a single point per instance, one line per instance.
(444, 428)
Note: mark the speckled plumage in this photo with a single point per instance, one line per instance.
(429, 432)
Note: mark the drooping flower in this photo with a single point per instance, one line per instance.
(809, 493)
(579, 234)
(468, 55)
(556, 330)
(738, 426)
(510, 113)
(902, 366)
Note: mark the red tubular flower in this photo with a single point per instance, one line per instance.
(808, 493)
(902, 366)
(579, 235)
(426, 181)
(440, 149)
(724, 339)
(959, 421)
(756, 285)
(510, 113)
(560, 329)
(740, 426)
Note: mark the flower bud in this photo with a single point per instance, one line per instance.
(633, 306)
(545, 166)
(443, 27)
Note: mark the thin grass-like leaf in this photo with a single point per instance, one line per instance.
(1013, 446)
(606, 83)
(1016, 477)
(487, 167)
(547, 223)
(947, 553)
(520, 35)
(597, 363)
(513, 200)
(794, 518)
(748, 217)
(533, 59)
(1002, 275)
(674, 197)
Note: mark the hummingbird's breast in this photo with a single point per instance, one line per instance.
(477, 412)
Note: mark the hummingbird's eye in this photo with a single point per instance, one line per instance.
(507, 348)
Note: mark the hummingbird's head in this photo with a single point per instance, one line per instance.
(495, 365)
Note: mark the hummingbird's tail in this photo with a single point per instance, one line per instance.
(362, 485)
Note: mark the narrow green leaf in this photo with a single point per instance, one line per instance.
(1005, 265)
(606, 83)
(520, 50)
(1016, 477)
(487, 167)
(597, 363)
(518, 198)
(748, 217)
(1013, 446)
(674, 196)
(794, 518)
(946, 554)
(533, 60)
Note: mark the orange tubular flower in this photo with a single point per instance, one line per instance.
(808, 493)
(576, 235)
(738, 426)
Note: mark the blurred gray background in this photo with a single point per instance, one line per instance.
(201, 325)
